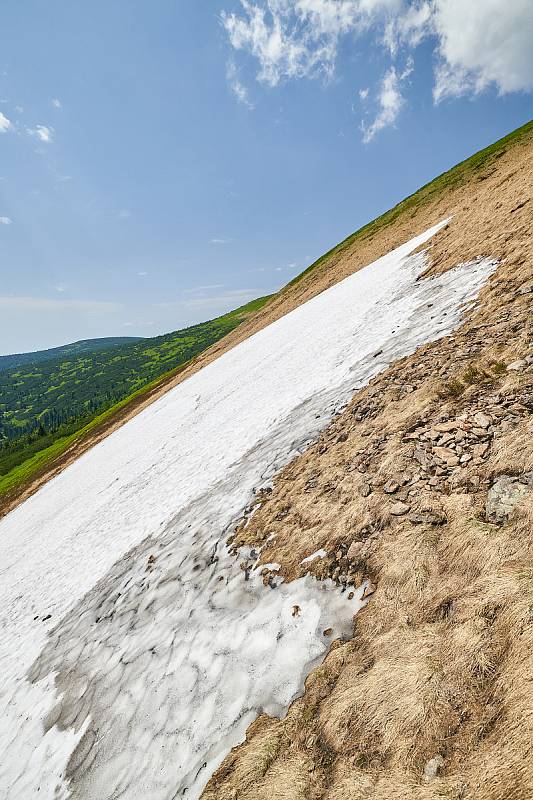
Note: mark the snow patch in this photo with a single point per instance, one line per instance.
(157, 652)
(318, 554)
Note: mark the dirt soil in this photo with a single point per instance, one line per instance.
(424, 487)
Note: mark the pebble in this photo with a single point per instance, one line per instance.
(390, 487)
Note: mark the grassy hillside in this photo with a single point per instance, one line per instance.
(65, 351)
(44, 403)
(53, 403)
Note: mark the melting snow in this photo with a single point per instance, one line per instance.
(128, 634)
(318, 554)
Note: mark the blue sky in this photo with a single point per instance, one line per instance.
(161, 163)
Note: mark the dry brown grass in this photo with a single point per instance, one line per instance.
(441, 662)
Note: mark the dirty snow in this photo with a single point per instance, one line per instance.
(158, 653)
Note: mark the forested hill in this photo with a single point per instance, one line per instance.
(85, 346)
(42, 401)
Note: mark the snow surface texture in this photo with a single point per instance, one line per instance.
(158, 653)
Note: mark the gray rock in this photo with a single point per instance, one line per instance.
(503, 496)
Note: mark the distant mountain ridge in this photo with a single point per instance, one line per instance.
(74, 349)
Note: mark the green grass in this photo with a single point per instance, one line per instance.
(461, 173)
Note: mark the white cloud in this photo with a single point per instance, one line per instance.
(57, 103)
(201, 289)
(42, 132)
(5, 124)
(19, 109)
(60, 287)
(5, 220)
(241, 93)
(299, 38)
(142, 273)
(237, 87)
(483, 44)
(48, 304)
(221, 302)
(138, 324)
(363, 93)
(390, 102)
(220, 241)
(477, 43)
(291, 39)
(124, 213)
(409, 27)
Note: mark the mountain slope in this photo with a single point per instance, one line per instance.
(452, 192)
(164, 489)
(424, 486)
(150, 647)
